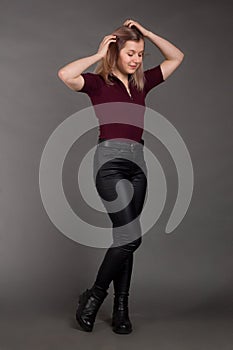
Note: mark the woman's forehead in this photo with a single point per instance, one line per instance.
(134, 45)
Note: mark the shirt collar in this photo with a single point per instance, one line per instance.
(113, 76)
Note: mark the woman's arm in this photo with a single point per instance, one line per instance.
(173, 55)
(71, 73)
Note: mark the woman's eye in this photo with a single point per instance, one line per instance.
(129, 54)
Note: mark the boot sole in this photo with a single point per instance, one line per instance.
(83, 325)
(122, 331)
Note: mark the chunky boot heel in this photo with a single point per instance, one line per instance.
(89, 304)
(121, 323)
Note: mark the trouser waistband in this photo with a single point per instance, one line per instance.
(122, 144)
(121, 141)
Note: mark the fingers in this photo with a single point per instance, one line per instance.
(107, 40)
(129, 22)
(108, 37)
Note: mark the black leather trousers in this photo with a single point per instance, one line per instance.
(120, 176)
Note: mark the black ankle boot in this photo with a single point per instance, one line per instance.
(120, 319)
(89, 304)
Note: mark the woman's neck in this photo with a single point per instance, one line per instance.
(123, 77)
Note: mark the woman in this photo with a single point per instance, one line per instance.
(119, 77)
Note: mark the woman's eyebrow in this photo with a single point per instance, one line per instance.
(135, 51)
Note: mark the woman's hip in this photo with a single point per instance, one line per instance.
(119, 157)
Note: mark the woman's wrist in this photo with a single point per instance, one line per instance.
(148, 34)
(98, 56)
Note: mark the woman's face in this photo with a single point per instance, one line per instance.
(130, 56)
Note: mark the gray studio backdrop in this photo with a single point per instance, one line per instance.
(189, 270)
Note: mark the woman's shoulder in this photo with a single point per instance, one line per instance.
(92, 75)
(153, 77)
(154, 70)
(92, 81)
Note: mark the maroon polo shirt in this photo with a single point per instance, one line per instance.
(120, 115)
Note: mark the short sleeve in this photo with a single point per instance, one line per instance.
(153, 77)
(91, 83)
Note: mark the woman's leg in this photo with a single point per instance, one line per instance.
(122, 281)
(118, 261)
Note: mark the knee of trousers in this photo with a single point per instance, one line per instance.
(132, 246)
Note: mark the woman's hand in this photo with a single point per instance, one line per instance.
(103, 47)
(129, 23)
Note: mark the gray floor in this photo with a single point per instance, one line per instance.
(161, 331)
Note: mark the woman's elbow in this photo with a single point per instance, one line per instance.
(61, 74)
(181, 56)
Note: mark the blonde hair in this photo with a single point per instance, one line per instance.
(106, 64)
